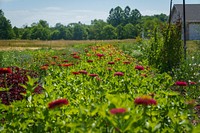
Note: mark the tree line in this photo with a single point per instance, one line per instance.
(120, 24)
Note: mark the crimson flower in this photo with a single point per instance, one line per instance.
(76, 57)
(115, 111)
(89, 61)
(111, 63)
(5, 70)
(75, 53)
(44, 67)
(145, 100)
(66, 65)
(65, 61)
(139, 67)
(93, 75)
(100, 55)
(58, 103)
(126, 62)
(54, 57)
(119, 74)
(181, 83)
(192, 83)
(83, 72)
(75, 73)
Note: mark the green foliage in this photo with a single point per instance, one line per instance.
(166, 48)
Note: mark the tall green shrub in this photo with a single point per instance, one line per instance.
(166, 48)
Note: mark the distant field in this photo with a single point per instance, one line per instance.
(60, 44)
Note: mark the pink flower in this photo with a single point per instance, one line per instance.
(58, 103)
(119, 74)
(115, 111)
(181, 83)
(100, 55)
(145, 100)
(139, 67)
(5, 70)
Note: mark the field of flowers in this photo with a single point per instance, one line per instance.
(97, 88)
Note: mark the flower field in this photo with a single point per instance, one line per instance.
(96, 89)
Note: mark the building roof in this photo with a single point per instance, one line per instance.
(192, 11)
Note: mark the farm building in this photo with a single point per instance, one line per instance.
(192, 14)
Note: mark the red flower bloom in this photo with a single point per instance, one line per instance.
(93, 75)
(75, 53)
(58, 103)
(100, 55)
(145, 100)
(44, 67)
(75, 73)
(83, 72)
(139, 67)
(192, 83)
(126, 62)
(181, 83)
(119, 74)
(65, 61)
(111, 63)
(115, 111)
(5, 70)
(76, 57)
(66, 65)
(89, 61)
(54, 57)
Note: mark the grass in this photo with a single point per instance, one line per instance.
(58, 44)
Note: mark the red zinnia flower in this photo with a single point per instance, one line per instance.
(139, 67)
(44, 67)
(145, 100)
(119, 74)
(83, 72)
(89, 61)
(75, 73)
(76, 57)
(93, 75)
(111, 63)
(192, 83)
(58, 103)
(65, 61)
(54, 57)
(181, 83)
(118, 111)
(5, 70)
(100, 55)
(67, 65)
(126, 62)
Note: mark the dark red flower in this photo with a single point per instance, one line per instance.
(75, 53)
(100, 55)
(89, 61)
(181, 83)
(65, 61)
(44, 67)
(111, 63)
(83, 72)
(58, 103)
(119, 74)
(75, 73)
(76, 57)
(5, 70)
(126, 62)
(66, 65)
(192, 83)
(139, 67)
(145, 100)
(115, 111)
(93, 75)
(54, 57)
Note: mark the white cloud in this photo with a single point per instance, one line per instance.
(53, 15)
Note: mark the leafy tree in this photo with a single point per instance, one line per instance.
(6, 31)
(109, 32)
(116, 16)
(129, 31)
(135, 16)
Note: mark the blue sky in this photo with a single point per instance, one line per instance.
(21, 12)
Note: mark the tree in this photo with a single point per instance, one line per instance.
(116, 16)
(6, 31)
(135, 16)
(129, 31)
(109, 32)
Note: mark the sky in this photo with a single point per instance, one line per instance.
(25, 12)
